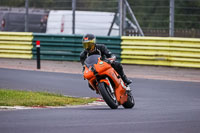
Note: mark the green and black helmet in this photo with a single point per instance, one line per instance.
(89, 42)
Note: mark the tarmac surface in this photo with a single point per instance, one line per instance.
(167, 100)
(132, 71)
(162, 106)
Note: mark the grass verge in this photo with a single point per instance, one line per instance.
(29, 98)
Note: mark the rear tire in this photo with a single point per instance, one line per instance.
(130, 102)
(107, 96)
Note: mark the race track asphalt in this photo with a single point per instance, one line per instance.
(161, 106)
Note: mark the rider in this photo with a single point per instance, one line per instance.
(90, 48)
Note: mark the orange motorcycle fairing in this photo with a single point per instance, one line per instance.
(120, 93)
(100, 72)
(105, 81)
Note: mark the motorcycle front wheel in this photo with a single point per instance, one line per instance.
(107, 95)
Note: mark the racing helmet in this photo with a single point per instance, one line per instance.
(89, 42)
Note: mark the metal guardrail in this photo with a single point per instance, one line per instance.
(69, 47)
(177, 52)
(163, 51)
(58, 47)
(53, 47)
(16, 45)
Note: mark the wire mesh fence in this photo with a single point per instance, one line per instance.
(152, 15)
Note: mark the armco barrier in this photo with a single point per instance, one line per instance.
(69, 47)
(178, 52)
(16, 45)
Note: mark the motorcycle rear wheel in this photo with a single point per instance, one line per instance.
(107, 95)
(130, 102)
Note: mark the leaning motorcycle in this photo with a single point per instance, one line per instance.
(107, 82)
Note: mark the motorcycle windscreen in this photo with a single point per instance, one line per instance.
(91, 60)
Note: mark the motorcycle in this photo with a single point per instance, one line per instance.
(107, 82)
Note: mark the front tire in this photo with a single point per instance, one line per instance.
(108, 97)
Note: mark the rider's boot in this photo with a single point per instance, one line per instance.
(118, 67)
(126, 80)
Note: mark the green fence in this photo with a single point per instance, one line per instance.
(69, 47)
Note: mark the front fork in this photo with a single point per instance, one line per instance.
(107, 81)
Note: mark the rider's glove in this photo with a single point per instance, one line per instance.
(108, 61)
(112, 59)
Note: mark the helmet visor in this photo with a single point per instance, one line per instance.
(89, 45)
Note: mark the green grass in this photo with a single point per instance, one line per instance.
(29, 98)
